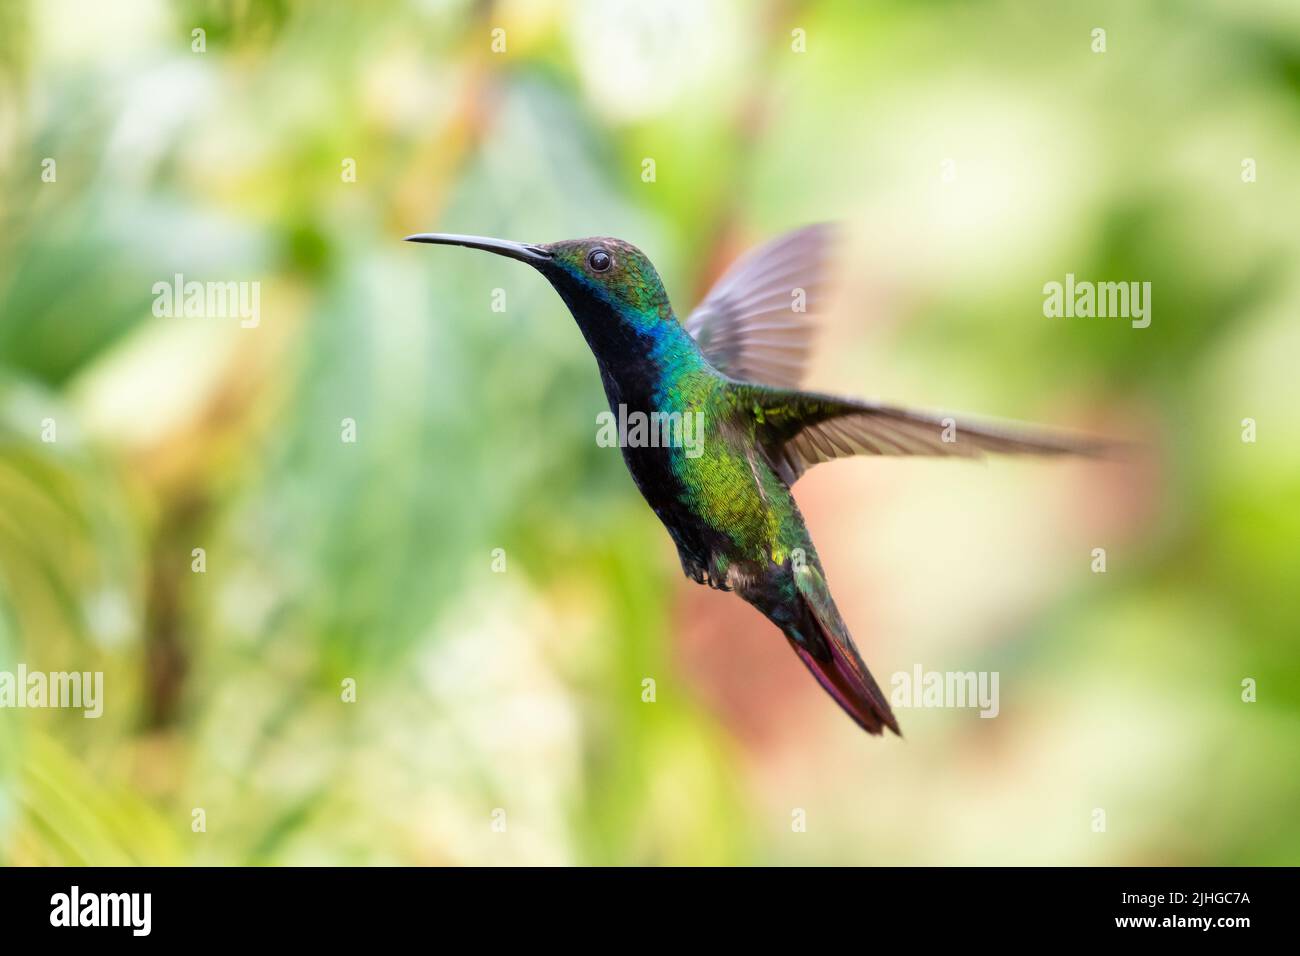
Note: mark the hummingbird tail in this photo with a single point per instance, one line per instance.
(820, 638)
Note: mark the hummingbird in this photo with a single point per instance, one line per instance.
(737, 362)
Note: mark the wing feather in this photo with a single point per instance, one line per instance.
(800, 429)
(747, 326)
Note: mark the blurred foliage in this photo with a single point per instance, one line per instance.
(371, 561)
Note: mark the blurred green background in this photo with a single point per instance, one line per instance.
(974, 151)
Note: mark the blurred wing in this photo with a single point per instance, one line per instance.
(799, 429)
(752, 325)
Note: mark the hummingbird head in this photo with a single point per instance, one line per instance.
(613, 273)
(609, 285)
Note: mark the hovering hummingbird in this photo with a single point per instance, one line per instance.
(738, 360)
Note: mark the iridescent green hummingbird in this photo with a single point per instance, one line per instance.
(736, 362)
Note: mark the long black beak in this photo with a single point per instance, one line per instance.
(533, 255)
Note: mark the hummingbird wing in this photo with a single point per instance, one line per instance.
(800, 429)
(754, 325)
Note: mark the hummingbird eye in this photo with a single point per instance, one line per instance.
(599, 260)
